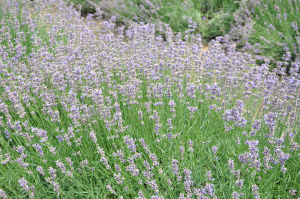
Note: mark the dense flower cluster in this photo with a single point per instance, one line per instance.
(90, 109)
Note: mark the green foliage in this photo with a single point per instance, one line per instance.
(85, 7)
(20, 32)
(205, 127)
(214, 17)
(274, 34)
(212, 6)
(11, 20)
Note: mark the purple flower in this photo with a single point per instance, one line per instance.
(256, 125)
(60, 138)
(3, 194)
(175, 167)
(130, 143)
(61, 166)
(132, 168)
(39, 148)
(210, 189)
(24, 184)
(235, 114)
(214, 149)
(209, 176)
(270, 119)
(188, 182)
(255, 191)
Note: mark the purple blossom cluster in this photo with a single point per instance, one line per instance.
(140, 116)
(236, 114)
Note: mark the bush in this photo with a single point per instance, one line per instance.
(265, 28)
(213, 17)
(269, 29)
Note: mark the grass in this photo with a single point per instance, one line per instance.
(72, 120)
(274, 21)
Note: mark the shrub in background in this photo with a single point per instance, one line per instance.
(270, 30)
(213, 17)
(277, 34)
(83, 6)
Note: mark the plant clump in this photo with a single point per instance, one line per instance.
(124, 113)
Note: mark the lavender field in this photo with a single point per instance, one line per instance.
(89, 109)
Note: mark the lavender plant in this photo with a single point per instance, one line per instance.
(115, 113)
(269, 29)
(211, 18)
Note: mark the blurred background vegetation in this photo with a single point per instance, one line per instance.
(266, 28)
